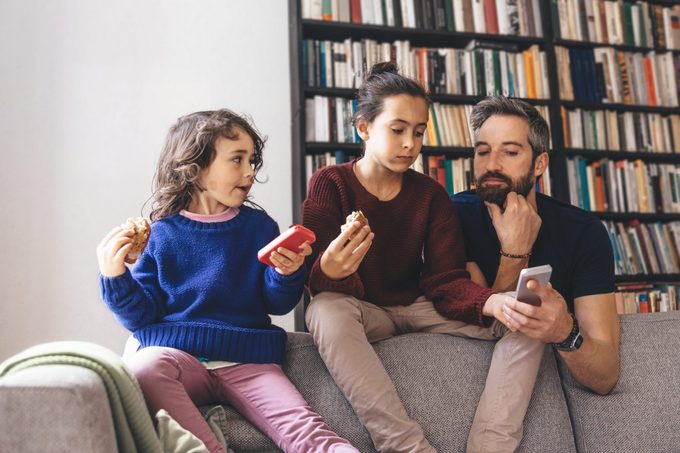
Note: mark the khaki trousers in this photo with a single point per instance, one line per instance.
(343, 328)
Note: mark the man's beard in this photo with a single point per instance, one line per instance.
(498, 194)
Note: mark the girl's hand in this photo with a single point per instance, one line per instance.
(112, 250)
(286, 261)
(494, 307)
(343, 256)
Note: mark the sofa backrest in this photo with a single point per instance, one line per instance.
(642, 413)
(439, 378)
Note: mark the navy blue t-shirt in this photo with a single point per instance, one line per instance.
(572, 241)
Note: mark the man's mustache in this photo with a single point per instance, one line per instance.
(494, 175)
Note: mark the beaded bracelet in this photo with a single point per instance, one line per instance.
(511, 255)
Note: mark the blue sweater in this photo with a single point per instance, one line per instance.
(199, 287)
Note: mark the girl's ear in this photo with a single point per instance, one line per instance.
(362, 128)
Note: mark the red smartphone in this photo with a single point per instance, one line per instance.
(290, 239)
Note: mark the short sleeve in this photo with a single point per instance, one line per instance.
(594, 264)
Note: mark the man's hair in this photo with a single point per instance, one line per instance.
(539, 133)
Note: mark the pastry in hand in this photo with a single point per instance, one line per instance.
(141, 231)
(355, 216)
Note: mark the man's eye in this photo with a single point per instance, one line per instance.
(419, 134)
(481, 152)
(511, 152)
(397, 131)
(237, 159)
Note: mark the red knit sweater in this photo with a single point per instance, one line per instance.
(418, 246)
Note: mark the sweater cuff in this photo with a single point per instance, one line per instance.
(462, 300)
(296, 279)
(483, 296)
(113, 288)
(319, 282)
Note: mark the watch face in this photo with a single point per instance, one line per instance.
(577, 343)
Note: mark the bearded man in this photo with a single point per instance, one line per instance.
(508, 226)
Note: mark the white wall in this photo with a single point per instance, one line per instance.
(88, 89)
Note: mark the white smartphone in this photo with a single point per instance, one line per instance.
(539, 273)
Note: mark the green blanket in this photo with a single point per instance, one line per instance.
(134, 428)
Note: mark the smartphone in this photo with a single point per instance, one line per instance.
(290, 239)
(539, 273)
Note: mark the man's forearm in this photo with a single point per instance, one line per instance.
(595, 365)
(508, 273)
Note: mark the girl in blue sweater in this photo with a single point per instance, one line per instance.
(198, 300)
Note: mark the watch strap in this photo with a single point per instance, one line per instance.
(573, 340)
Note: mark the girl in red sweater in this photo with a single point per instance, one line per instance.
(404, 272)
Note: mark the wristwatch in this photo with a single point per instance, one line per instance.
(573, 341)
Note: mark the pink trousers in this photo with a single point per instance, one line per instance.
(177, 382)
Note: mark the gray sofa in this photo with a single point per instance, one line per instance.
(439, 377)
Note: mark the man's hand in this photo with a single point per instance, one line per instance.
(344, 255)
(550, 322)
(517, 226)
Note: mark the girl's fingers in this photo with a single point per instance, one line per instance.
(360, 251)
(305, 249)
(119, 242)
(119, 256)
(359, 236)
(282, 255)
(108, 236)
(116, 234)
(286, 253)
(280, 260)
(339, 242)
(346, 248)
(363, 247)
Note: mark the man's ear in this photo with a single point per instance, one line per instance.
(541, 164)
(362, 128)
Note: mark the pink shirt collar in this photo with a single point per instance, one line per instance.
(228, 214)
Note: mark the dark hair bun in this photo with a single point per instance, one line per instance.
(386, 67)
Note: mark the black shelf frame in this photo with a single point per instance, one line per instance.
(624, 47)
(356, 149)
(648, 278)
(350, 93)
(337, 31)
(641, 216)
(618, 107)
(595, 154)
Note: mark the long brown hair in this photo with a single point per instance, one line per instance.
(190, 147)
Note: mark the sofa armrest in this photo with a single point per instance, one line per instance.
(55, 408)
(641, 413)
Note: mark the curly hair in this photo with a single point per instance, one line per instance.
(189, 148)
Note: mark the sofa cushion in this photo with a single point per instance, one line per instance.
(439, 378)
(55, 408)
(641, 413)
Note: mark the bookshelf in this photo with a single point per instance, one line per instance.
(554, 33)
